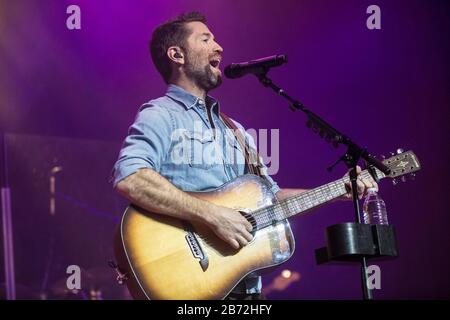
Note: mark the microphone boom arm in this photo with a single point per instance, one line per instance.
(324, 129)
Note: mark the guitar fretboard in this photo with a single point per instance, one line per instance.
(304, 201)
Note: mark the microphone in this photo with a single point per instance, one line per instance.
(257, 67)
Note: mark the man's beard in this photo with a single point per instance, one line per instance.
(204, 77)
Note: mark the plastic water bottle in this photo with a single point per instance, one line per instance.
(374, 208)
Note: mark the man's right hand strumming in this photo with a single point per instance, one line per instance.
(230, 226)
(149, 190)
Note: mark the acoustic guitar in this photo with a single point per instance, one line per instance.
(161, 257)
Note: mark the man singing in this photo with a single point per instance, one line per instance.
(187, 56)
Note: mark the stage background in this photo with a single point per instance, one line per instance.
(67, 98)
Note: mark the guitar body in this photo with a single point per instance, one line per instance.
(167, 258)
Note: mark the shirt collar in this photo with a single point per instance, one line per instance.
(189, 100)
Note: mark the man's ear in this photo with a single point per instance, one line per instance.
(175, 54)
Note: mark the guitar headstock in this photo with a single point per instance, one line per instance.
(401, 164)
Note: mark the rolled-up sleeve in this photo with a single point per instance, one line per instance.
(146, 144)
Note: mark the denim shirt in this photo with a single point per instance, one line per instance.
(173, 136)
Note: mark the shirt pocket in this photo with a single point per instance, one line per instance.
(203, 151)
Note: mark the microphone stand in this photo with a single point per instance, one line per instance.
(351, 158)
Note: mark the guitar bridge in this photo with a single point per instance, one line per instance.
(196, 248)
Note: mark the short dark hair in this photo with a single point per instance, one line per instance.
(171, 33)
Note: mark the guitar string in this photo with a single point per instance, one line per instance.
(319, 195)
(261, 218)
(281, 210)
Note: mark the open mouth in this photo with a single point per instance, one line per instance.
(215, 63)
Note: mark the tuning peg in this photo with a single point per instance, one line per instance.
(412, 176)
(383, 157)
(403, 178)
(394, 182)
(392, 153)
(400, 150)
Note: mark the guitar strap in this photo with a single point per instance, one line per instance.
(251, 156)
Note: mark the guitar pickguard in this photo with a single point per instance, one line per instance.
(279, 242)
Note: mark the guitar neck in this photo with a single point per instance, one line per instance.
(304, 201)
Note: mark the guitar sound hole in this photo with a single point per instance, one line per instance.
(250, 219)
